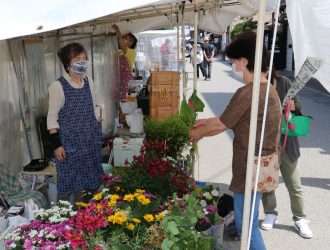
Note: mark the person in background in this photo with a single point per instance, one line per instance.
(200, 64)
(127, 44)
(289, 171)
(208, 52)
(237, 116)
(165, 51)
(74, 130)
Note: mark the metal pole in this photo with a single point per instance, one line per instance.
(178, 46)
(184, 80)
(253, 124)
(195, 49)
(264, 118)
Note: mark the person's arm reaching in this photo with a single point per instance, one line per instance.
(122, 44)
(206, 127)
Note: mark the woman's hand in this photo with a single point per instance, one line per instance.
(194, 135)
(116, 28)
(60, 154)
(200, 122)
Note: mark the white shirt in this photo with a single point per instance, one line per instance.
(199, 54)
(56, 99)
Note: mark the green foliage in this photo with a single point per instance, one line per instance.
(180, 223)
(188, 111)
(173, 130)
(247, 24)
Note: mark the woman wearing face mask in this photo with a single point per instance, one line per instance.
(236, 116)
(71, 121)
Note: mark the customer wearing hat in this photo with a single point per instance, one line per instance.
(208, 52)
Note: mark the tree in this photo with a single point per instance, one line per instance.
(247, 24)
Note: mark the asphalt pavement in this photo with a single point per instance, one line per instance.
(215, 156)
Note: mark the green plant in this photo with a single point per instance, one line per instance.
(173, 130)
(179, 225)
(188, 111)
(155, 172)
(246, 24)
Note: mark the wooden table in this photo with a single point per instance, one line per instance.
(48, 171)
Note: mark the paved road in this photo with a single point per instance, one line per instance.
(214, 164)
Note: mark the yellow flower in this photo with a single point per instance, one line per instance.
(129, 197)
(97, 196)
(114, 197)
(130, 226)
(82, 204)
(98, 206)
(112, 203)
(149, 217)
(117, 188)
(111, 218)
(118, 218)
(140, 191)
(137, 195)
(145, 201)
(136, 220)
(142, 199)
(160, 216)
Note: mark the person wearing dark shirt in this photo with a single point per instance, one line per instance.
(208, 52)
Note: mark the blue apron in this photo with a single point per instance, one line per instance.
(81, 138)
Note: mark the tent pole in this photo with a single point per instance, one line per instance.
(253, 124)
(178, 46)
(195, 49)
(184, 79)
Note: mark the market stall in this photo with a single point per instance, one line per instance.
(29, 40)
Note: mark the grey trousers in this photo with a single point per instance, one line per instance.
(291, 176)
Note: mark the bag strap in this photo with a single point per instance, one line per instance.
(286, 117)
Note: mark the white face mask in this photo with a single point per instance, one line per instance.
(237, 74)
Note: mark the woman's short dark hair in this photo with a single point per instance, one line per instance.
(68, 52)
(244, 45)
(133, 39)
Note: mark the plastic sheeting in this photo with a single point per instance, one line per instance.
(13, 147)
(310, 29)
(20, 18)
(43, 16)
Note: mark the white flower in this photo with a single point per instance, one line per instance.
(50, 236)
(33, 233)
(203, 203)
(41, 233)
(64, 202)
(215, 192)
(207, 195)
(105, 190)
(205, 211)
(13, 245)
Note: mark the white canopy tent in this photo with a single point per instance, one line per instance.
(38, 18)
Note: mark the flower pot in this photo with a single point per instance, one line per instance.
(216, 231)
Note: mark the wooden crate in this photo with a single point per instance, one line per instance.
(164, 94)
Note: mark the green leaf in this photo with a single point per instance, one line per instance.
(198, 103)
(173, 228)
(187, 114)
(167, 244)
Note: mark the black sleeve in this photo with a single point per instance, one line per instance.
(56, 141)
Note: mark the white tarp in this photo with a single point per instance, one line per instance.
(310, 29)
(19, 18)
